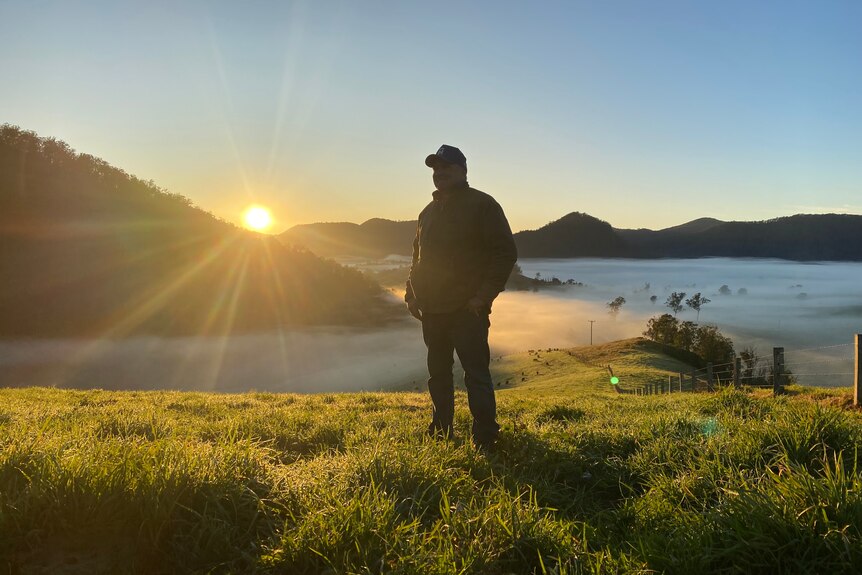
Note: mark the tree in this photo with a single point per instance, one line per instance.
(724, 290)
(615, 305)
(696, 302)
(662, 329)
(653, 299)
(686, 335)
(674, 301)
(712, 346)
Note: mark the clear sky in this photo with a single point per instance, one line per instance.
(644, 114)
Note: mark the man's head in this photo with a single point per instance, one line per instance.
(450, 167)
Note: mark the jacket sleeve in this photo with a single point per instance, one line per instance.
(409, 295)
(498, 240)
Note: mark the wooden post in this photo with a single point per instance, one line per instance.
(737, 371)
(777, 370)
(670, 384)
(681, 379)
(709, 377)
(693, 381)
(857, 384)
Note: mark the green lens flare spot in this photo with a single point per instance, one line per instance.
(615, 380)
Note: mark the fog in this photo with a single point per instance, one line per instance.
(816, 330)
(811, 309)
(302, 360)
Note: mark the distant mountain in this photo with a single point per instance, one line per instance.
(87, 249)
(801, 237)
(376, 238)
(572, 236)
(694, 226)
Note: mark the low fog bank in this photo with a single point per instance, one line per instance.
(310, 360)
(303, 361)
(815, 329)
(812, 309)
(524, 320)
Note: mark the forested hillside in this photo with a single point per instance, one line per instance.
(88, 249)
(572, 236)
(376, 238)
(802, 237)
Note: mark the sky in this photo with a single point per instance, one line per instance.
(643, 114)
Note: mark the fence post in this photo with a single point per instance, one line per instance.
(709, 377)
(693, 381)
(737, 368)
(681, 380)
(670, 384)
(777, 370)
(857, 383)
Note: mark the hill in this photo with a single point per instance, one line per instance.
(585, 480)
(375, 238)
(87, 249)
(799, 237)
(572, 236)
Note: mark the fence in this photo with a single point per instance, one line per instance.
(807, 366)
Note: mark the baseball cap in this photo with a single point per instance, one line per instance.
(446, 154)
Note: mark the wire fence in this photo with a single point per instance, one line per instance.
(822, 366)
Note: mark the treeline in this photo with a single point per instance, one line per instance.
(88, 249)
(801, 237)
(375, 238)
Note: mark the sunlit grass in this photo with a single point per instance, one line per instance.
(585, 481)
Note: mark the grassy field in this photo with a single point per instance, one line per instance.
(585, 480)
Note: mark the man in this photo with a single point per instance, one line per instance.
(462, 256)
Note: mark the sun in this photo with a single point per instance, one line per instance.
(257, 218)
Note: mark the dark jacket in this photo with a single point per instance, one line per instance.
(463, 249)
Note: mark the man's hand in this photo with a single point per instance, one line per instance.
(477, 306)
(414, 310)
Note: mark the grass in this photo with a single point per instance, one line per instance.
(585, 480)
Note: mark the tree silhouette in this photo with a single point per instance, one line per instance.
(674, 301)
(615, 305)
(696, 302)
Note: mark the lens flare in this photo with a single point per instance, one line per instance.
(257, 218)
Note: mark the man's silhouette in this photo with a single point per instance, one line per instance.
(462, 256)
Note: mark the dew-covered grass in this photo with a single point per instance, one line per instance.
(584, 480)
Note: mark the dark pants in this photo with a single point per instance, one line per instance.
(467, 334)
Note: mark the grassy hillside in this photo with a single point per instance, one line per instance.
(585, 480)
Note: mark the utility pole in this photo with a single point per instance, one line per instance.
(592, 321)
